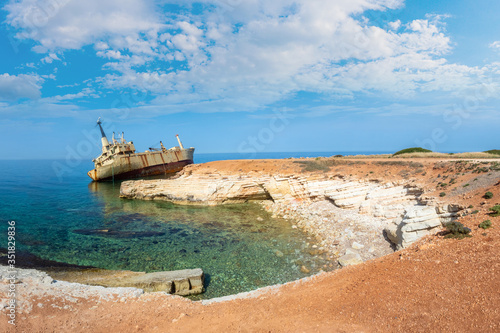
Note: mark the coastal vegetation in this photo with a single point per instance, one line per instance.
(493, 151)
(485, 224)
(457, 230)
(495, 211)
(467, 155)
(412, 150)
(488, 195)
(408, 155)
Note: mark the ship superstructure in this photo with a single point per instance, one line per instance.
(119, 160)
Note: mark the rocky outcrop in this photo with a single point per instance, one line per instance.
(420, 221)
(180, 282)
(193, 190)
(403, 213)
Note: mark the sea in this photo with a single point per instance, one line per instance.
(60, 213)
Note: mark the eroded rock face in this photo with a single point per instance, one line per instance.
(195, 190)
(404, 213)
(419, 221)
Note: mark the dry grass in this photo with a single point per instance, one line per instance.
(365, 156)
(446, 156)
(471, 155)
(476, 155)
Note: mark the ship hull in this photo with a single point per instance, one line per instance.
(143, 164)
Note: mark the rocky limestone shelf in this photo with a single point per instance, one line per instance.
(397, 210)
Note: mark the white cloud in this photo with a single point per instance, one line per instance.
(110, 54)
(50, 58)
(395, 25)
(495, 45)
(67, 24)
(277, 51)
(68, 85)
(15, 87)
(247, 54)
(86, 92)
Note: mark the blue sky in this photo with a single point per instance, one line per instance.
(249, 75)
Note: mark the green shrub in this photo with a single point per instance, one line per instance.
(496, 211)
(456, 230)
(475, 212)
(471, 206)
(488, 195)
(412, 150)
(442, 194)
(466, 185)
(493, 151)
(485, 224)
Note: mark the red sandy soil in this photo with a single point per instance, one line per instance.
(436, 285)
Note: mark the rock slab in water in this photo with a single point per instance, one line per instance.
(350, 259)
(182, 282)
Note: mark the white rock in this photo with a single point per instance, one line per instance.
(350, 259)
(357, 246)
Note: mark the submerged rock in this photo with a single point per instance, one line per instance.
(304, 269)
(117, 233)
(350, 259)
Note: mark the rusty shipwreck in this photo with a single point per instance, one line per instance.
(120, 161)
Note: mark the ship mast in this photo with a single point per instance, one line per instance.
(104, 139)
(179, 140)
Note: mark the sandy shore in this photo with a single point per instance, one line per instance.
(434, 285)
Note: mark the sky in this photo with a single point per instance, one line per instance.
(249, 76)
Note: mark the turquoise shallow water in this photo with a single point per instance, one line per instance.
(62, 216)
(239, 247)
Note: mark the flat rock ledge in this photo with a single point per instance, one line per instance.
(350, 259)
(348, 216)
(181, 282)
